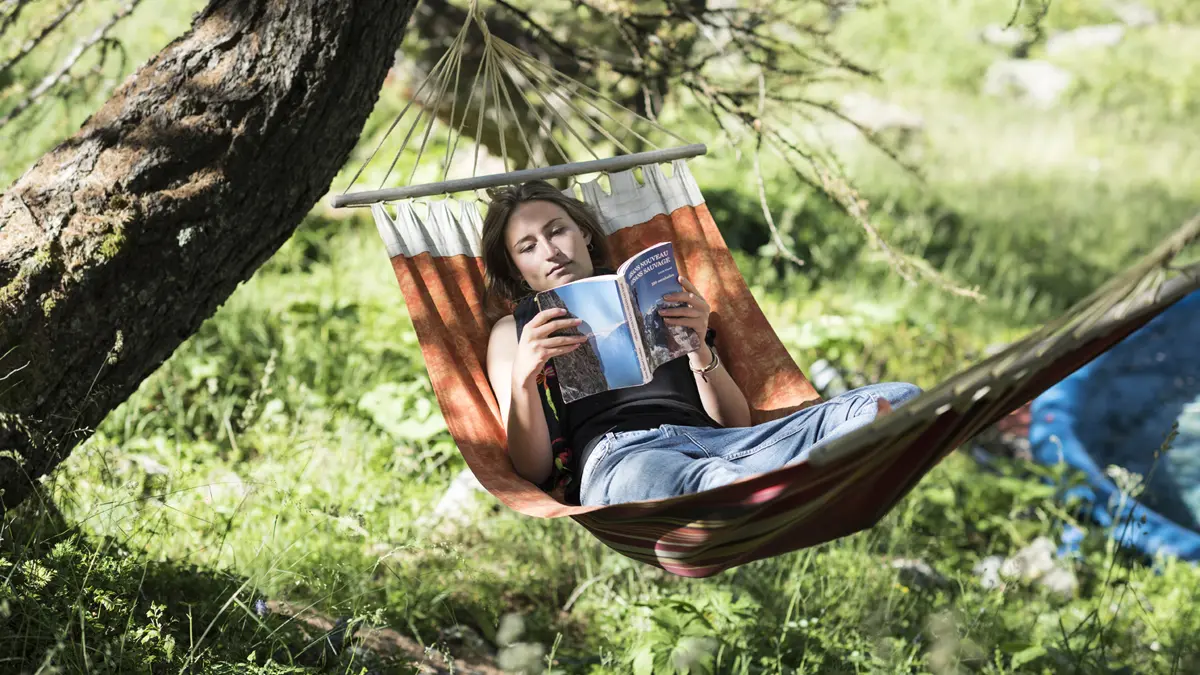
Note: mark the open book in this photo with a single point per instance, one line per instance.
(628, 339)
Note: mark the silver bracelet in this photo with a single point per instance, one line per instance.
(703, 372)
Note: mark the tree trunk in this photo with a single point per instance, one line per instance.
(117, 244)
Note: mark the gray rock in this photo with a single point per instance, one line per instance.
(877, 115)
(512, 627)
(149, 465)
(1061, 582)
(522, 657)
(1038, 83)
(466, 638)
(1036, 563)
(988, 571)
(1087, 37)
(458, 506)
(1134, 14)
(1032, 562)
(694, 654)
(1003, 36)
(918, 574)
(838, 8)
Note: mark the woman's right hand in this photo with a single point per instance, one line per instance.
(536, 345)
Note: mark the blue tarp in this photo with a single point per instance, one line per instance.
(1117, 412)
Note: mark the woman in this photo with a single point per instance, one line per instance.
(687, 430)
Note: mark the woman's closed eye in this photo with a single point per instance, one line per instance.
(527, 247)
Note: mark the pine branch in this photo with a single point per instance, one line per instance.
(544, 34)
(48, 82)
(13, 12)
(36, 40)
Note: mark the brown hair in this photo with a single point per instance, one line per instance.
(505, 286)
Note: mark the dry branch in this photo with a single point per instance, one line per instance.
(69, 62)
(36, 40)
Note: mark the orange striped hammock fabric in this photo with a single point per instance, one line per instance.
(843, 488)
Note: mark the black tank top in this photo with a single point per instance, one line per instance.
(671, 397)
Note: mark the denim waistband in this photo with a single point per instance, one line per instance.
(610, 441)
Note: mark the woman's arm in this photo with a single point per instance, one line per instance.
(723, 399)
(512, 369)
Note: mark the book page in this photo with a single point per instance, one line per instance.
(649, 276)
(608, 360)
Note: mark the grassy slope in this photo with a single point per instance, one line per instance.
(291, 448)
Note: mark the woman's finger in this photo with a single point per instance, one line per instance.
(681, 312)
(546, 315)
(689, 300)
(690, 295)
(566, 340)
(688, 285)
(559, 351)
(554, 326)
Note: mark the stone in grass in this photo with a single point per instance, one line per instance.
(467, 639)
(516, 656)
(1039, 83)
(1036, 563)
(1134, 14)
(458, 506)
(918, 574)
(1032, 562)
(522, 657)
(877, 115)
(1086, 37)
(512, 627)
(999, 35)
(839, 8)
(1061, 582)
(988, 571)
(148, 465)
(694, 654)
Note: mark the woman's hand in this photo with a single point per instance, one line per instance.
(722, 399)
(694, 314)
(536, 347)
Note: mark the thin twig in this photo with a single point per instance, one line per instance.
(762, 188)
(906, 266)
(542, 33)
(36, 40)
(13, 14)
(55, 77)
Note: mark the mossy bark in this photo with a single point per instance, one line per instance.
(118, 243)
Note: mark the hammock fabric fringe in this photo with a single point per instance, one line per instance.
(846, 488)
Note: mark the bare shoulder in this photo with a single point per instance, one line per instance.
(504, 333)
(505, 324)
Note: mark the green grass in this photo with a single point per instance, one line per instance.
(291, 450)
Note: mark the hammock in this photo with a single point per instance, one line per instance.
(843, 487)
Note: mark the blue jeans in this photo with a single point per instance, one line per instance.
(629, 466)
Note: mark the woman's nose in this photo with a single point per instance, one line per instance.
(550, 249)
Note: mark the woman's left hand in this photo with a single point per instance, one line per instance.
(694, 315)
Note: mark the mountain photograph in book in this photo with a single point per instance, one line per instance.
(627, 338)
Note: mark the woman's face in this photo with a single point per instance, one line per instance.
(548, 248)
